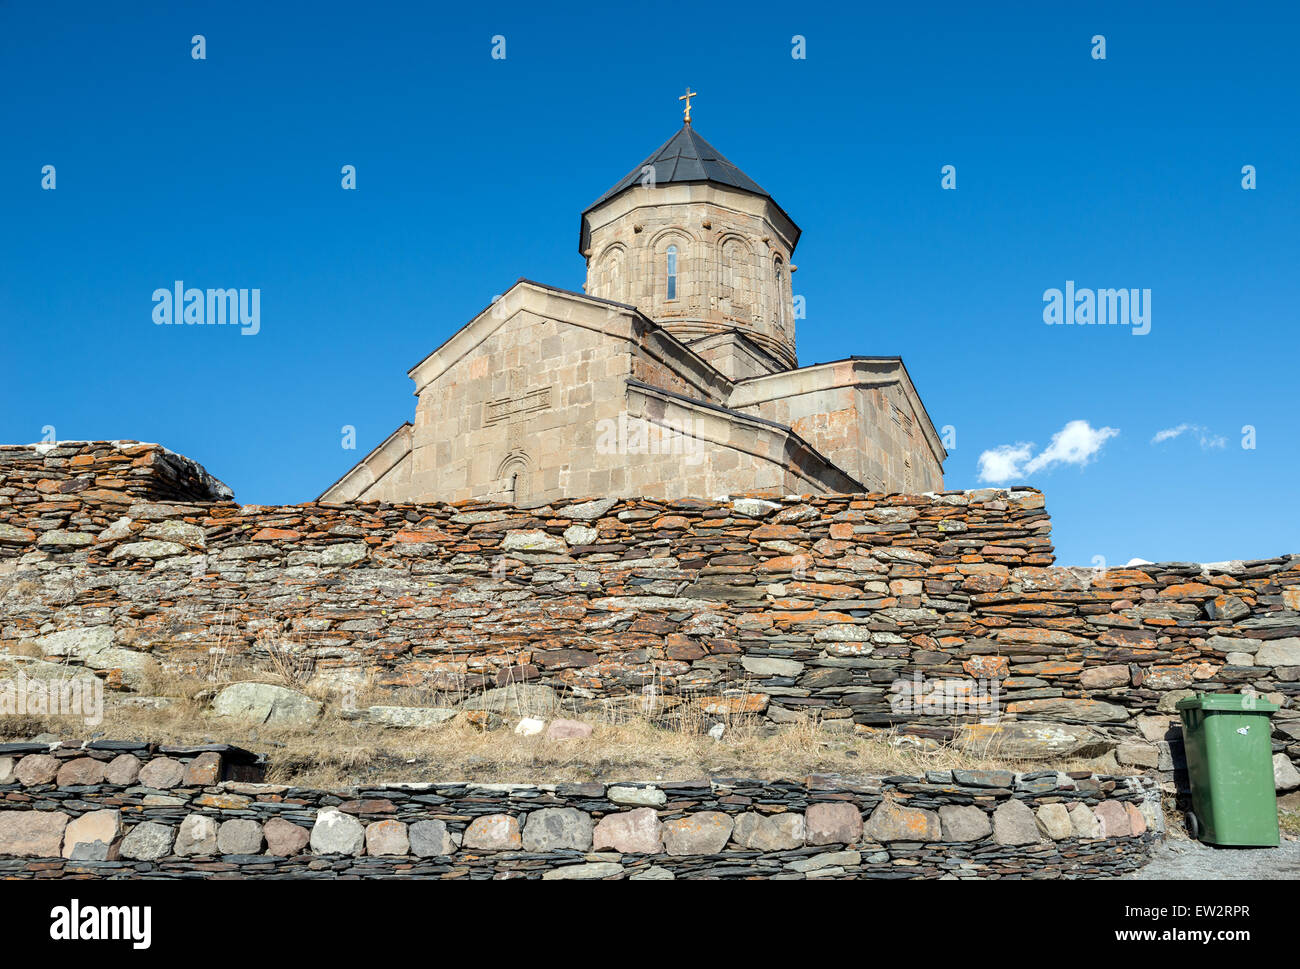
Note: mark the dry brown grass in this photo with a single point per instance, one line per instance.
(655, 737)
(338, 752)
(29, 650)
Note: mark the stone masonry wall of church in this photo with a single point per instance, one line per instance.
(472, 416)
(550, 406)
(871, 432)
(896, 446)
(658, 374)
(839, 607)
(828, 420)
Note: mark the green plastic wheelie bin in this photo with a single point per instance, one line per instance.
(1230, 767)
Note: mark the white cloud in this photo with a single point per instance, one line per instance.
(1202, 434)
(1076, 443)
(1169, 433)
(1003, 463)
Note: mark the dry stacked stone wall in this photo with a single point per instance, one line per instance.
(882, 610)
(138, 811)
(103, 471)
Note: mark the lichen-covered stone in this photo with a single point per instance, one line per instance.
(587, 872)
(553, 829)
(336, 833)
(1032, 739)
(203, 770)
(699, 833)
(893, 822)
(533, 541)
(148, 841)
(348, 553)
(518, 700)
(776, 832)
(197, 835)
(387, 838)
(418, 718)
(265, 703)
(734, 705)
(644, 796)
(494, 832)
(431, 838)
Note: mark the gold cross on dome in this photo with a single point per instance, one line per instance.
(687, 98)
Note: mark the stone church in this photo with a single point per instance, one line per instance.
(672, 375)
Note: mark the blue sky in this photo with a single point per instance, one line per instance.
(471, 172)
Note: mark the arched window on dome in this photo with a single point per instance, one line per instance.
(609, 274)
(779, 268)
(672, 272)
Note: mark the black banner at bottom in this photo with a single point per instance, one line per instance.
(130, 919)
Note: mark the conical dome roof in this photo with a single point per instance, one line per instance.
(686, 157)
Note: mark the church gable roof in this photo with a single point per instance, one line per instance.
(686, 157)
(573, 308)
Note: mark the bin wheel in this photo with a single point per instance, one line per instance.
(1193, 825)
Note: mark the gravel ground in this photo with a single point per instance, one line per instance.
(1184, 860)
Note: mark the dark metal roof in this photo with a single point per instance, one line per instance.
(686, 157)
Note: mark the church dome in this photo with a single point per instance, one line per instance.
(700, 248)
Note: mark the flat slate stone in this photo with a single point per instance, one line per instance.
(984, 778)
(24, 748)
(236, 755)
(587, 872)
(126, 746)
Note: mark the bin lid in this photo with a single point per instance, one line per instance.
(1235, 702)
